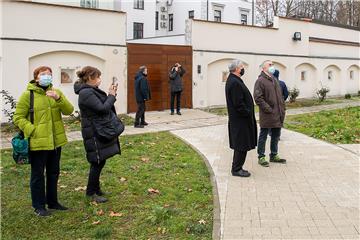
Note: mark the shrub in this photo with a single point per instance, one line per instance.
(321, 93)
(347, 96)
(8, 100)
(293, 94)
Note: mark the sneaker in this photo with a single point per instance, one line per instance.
(98, 199)
(144, 124)
(42, 212)
(262, 161)
(277, 159)
(241, 173)
(172, 113)
(138, 126)
(178, 113)
(58, 207)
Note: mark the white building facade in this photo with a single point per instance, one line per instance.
(43, 36)
(154, 18)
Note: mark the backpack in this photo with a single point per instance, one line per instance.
(20, 144)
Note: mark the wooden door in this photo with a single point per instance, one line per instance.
(159, 59)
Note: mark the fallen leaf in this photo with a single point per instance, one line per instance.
(189, 190)
(154, 191)
(166, 205)
(96, 222)
(100, 212)
(145, 159)
(80, 188)
(114, 214)
(122, 179)
(63, 186)
(202, 222)
(94, 203)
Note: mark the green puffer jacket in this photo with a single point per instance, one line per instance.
(47, 132)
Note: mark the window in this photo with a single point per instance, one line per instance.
(171, 22)
(139, 4)
(156, 20)
(138, 30)
(89, 3)
(243, 19)
(191, 14)
(217, 15)
(351, 75)
(303, 75)
(330, 75)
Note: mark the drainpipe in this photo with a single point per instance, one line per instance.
(207, 10)
(253, 13)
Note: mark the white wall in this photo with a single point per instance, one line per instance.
(253, 45)
(20, 57)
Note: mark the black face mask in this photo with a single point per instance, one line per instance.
(242, 71)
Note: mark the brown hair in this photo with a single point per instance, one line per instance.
(88, 72)
(41, 69)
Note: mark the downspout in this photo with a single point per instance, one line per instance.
(207, 10)
(253, 13)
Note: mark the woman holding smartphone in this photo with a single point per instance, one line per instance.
(95, 105)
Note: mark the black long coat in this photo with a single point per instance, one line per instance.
(242, 122)
(142, 88)
(94, 103)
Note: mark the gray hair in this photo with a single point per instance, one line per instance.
(234, 64)
(263, 63)
(142, 68)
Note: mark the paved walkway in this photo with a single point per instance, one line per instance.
(314, 196)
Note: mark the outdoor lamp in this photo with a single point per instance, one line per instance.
(297, 36)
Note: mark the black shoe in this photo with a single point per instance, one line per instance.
(172, 113)
(144, 124)
(58, 207)
(241, 173)
(42, 212)
(138, 126)
(178, 113)
(98, 199)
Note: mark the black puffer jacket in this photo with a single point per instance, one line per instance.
(94, 103)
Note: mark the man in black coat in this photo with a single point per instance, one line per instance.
(142, 93)
(242, 123)
(176, 87)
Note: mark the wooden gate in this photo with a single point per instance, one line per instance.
(159, 59)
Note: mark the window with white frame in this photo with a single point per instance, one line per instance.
(171, 22)
(139, 4)
(138, 30)
(243, 18)
(191, 14)
(217, 15)
(89, 3)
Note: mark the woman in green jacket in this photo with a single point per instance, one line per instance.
(47, 135)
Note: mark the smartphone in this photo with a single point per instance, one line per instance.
(114, 80)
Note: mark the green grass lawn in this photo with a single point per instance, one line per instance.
(337, 126)
(183, 208)
(222, 111)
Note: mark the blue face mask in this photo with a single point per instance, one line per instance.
(271, 70)
(45, 80)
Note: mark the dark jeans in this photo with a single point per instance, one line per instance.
(41, 160)
(94, 176)
(178, 101)
(140, 114)
(238, 160)
(275, 135)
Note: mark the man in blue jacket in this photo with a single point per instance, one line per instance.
(142, 93)
(283, 86)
